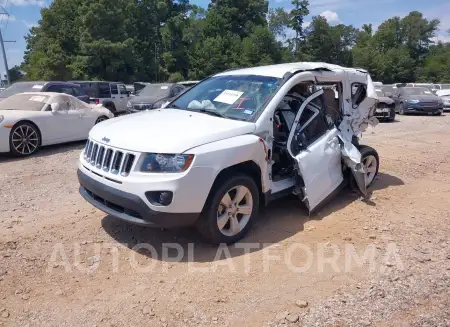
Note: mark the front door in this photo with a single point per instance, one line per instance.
(314, 144)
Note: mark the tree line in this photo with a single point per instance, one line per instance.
(173, 40)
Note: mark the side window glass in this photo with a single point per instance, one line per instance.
(104, 90)
(122, 88)
(54, 88)
(67, 90)
(359, 93)
(114, 89)
(75, 91)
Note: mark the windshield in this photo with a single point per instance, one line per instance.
(156, 90)
(417, 91)
(21, 88)
(27, 102)
(238, 97)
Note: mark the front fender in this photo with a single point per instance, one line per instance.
(232, 151)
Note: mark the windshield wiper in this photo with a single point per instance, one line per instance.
(213, 113)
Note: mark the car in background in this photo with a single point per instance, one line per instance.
(138, 86)
(377, 84)
(432, 87)
(385, 108)
(444, 86)
(57, 87)
(445, 97)
(388, 90)
(154, 96)
(34, 119)
(112, 95)
(417, 100)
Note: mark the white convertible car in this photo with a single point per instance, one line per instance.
(31, 120)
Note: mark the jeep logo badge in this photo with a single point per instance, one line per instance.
(106, 140)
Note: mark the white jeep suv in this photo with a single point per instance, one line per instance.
(234, 141)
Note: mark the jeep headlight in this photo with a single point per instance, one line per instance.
(166, 163)
(129, 104)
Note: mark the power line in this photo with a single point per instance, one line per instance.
(2, 44)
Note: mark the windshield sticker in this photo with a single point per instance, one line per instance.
(38, 87)
(248, 112)
(164, 87)
(228, 96)
(37, 98)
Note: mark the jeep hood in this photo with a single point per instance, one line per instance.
(167, 130)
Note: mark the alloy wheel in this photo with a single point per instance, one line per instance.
(370, 167)
(25, 139)
(234, 211)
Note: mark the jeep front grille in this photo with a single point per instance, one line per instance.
(108, 159)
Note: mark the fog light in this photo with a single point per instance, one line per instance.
(159, 198)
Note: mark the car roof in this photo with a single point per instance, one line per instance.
(279, 70)
(96, 82)
(43, 93)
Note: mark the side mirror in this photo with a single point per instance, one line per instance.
(55, 107)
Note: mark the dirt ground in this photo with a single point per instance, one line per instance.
(382, 262)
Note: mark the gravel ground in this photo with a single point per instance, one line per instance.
(382, 262)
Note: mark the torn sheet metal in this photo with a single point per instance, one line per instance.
(355, 121)
(352, 158)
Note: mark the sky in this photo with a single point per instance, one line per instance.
(23, 14)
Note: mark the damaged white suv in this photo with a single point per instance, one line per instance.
(231, 143)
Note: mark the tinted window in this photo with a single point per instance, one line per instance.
(104, 90)
(114, 89)
(416, 91)
(59, 89)
(156, 90)
(90, 89)
(76, 91)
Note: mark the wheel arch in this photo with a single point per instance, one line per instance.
(249, 168)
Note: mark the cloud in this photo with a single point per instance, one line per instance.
(28, 24)
(330, 16)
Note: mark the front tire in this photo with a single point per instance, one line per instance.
(401, 109)
(371, 162)
(230, 210)
(392, 115)
(100, 119)
(24, 139)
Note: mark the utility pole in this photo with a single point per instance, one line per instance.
(2, 43)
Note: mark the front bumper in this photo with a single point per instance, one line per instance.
(129, 207)
(419, 108)
(4, 138)
(383, 112)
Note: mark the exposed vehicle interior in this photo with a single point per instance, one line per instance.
(310, 128)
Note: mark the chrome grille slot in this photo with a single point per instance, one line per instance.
(94, 154)
(89, 150)
(100, 156)
(117, 161)
(128, 163)
(108, 159)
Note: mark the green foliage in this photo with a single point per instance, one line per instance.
(160, 40)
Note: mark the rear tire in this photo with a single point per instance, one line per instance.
(100, 119)
(392, 115)
(401, 110)
(24, 139)
(371, 161)
(222, 212)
